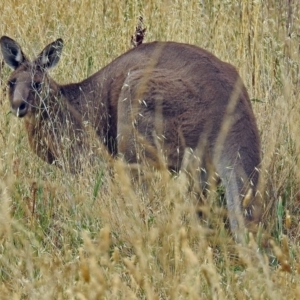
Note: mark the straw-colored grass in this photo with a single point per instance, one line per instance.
(94, 235)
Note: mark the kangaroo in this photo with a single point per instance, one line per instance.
(139, 35)
(157, 99)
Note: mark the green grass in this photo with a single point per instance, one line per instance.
(94, 235)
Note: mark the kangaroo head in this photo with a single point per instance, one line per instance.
(31, 90)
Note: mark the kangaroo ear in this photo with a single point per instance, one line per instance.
(50, 56)
(12, 52)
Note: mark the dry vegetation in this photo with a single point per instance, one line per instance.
(93, 236)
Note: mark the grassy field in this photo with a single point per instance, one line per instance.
(94, 236)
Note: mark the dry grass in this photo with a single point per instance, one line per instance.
(94, 236)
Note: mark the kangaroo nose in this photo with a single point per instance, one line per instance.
(19, 109)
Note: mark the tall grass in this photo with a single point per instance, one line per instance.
(95, 235)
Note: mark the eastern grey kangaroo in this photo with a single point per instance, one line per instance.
(174, 95)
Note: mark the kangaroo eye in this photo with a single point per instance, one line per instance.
(11, 83)
(36, 86)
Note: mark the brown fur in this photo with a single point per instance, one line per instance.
(160, 95)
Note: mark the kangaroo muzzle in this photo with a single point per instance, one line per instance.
(19, 108)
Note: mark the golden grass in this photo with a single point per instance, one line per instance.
(95, 236)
